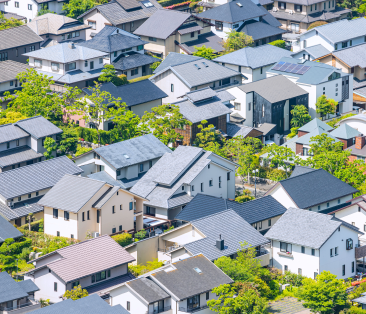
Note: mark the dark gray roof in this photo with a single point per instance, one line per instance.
(7, 230)
(315, 187)
(102, 286)
(38, 127)
(357, 152)
(259, 30)
(105, 41)
(9, 69)
(174, 58)
(267, 128)
(185, 282)
(179, 200)
(92, 304)
(9, 132)
(132, 60)
(133, 94)
(231, 12)
(298, 170)
(209, 39)
(148, 290)
(255, 57)
(189, 28)
(21, 209)
(233, 129)
(137, 150)
(35, 177)
(106, 196)
(305, 227)
(12, 290)
(17, 155)
(353, 56)
(18, 36)
(268, 88)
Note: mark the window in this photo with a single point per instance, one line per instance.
(299, 271)
(353, 224)
(228, 176)
(32, 48)
(120, 228)
(114, 230)
(350, 42)
(207, 295)
(91, 65)
(331, 252)
(313, 252)
(66, 215)
(311, 8)
(19, 198)
(343, 270)
(237, 105)
(282, 5)
(218, 25)
(29, 195)
(286, 268)
(286, 247)
(192, 189)
(208, 167)
(193, 302)
(249, 106)
(120, 207)
(37, 63)
(55, 286)
(92, 24)
(315, 274)
(349, 244)
(298, 8)
(102, 275)
(219, 182)
(172, 88)
(55, 213)
(128, 306)
(83, 216)
(58, 233)
(70, 66)
(201, 187)
(324, 5)
(336, 47)
(131, 206)
(140, 47)
(17, 6)
(118, 173)
(100, 60)
(29, 7)
(182, 188)
(37, 193)
(260, 225)
(113, 210)
(329, 5)
(353, 267)
(192, 34)
(344, 44)
(318, 207)
(134, 71)
(303, 249)
(269, 222)
(141, 167)
(72, 236)
(54, 66)
(152, 38)
(11, 83)
(210, 183)
(150, 163)
(86, 63)
(98, 215)
(75, 284)
(132, 24)
(336, 251)
(304, 43)
(262, 110)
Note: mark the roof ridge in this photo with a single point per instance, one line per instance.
(15, 123)
(304, 174)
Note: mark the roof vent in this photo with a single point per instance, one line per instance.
(197, 66)
(205, 64)
(239, 4)
(197, 270)
(126, 156)
(220, 243)
(71, 45)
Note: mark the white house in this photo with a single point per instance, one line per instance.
(308, 243)
(357, 122)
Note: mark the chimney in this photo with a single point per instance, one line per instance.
(360, 142)
(71, 45)
(220, 243)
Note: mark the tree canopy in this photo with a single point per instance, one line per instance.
(236, 40)
(204, 52)
(8, 23)
(300, 116)
(325, 106)
(109, 74)
(76, 293)
(74, 8)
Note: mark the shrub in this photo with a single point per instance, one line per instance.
(11, 117)
(166, 3)
(279, 43)
(140, 269)
(82, 150)
(35, 225)
(91, 135)
(123, 239)
(120, 80)
(353, 310)
(293, 133)
(245, 197)
(335, 120)
(292, 279)
(140, 235)
(316, 24)
(140, 78)
(277, 175)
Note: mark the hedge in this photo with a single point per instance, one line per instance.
(140, 78)
(123, 239)
(91, 135)
(279, 43)
(167, 3)
(35, 226)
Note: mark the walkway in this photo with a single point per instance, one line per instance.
(287, 306)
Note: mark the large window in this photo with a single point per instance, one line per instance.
(134, 71)
(218, 25)
(298, 8)
(225, 81)
(193, 302)
(37, 63)
(349, 244)
(282, 5)
(286, 247)
(93, 24)
(54, 66)
(55, 213)
(71, 66)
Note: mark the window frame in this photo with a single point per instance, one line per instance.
(288, 247)
(55, 213)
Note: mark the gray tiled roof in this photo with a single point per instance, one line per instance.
(317, 187)
(11, 290)
(313, 124)
(17, 155)
(73, 76)
(38, 127)
(173, 59)
(315, 51)
(100, 287)
(106, 196)
(63, 53)
(132, 60)
(105, 41)
(9, 15)
(148, 290)
(209, 39)
(268, 88)
(153, 27)
(185, 282)
(137, 150)
(233, 129)
(71, 193)
(92, 304)
(344, 131)
(304, 227)
(189, 28)
(35, 177)
(18, 36)
(9, 132)
(306, 139)
(7, 230)
(21, 209)
(9, 70)
(357, 152)
(259, 30)
(353, 56)
(298, 170)
(255, 57)
(267, 128)
(179, 199)
(104, 176)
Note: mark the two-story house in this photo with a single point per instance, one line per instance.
(317, 79)
(181, 287)
(176, 177)
(69, 64)
(127, 15)
(125, 51)
(22, 143)
(181, 33)
(123, 163)
(22, 188)
(307, 243)
(101, 209)
(54, 29)
(78, 264)
(179, 74)
(296, 16)
(17, 41)
(243, 16)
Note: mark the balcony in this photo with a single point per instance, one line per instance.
(195, 310)
(235, 82)
(27, 307)
(263, 255)
(165, 310)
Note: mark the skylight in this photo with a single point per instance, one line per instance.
(126, 156)
(197, 66)
(197, 270)
(147, 4)
(205, 64)
(239, 4)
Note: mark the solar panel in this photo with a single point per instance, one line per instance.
(290, 68)
(303, 70)
(278, 65)
(285, 66)
(297, 68)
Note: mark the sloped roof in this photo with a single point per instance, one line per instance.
(7, 230)
(38, 127)
(148, 290)
(234, 129)
(173, 59)
(17, 155)
(132, 59)
(104, 176)
(18, 36)
(344, 131)
(9, 69)
(306, 139)
(315, 51)
(258, 30)
(73, 76)
(313, 124)
(209, 39)
(353, 56)
(10, 132)
(21, 209)
(298, 170)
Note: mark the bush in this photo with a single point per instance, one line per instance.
(353, 310)
(140, 269)
(279, 43)
(35, 226)
(245, 197)
(166, 3)
(82, 150)
(292, 279)
(140, 78)
(277, 175)
(91, 135)
(123, 239)
(335, 120)
(120, 80)
(293, 133)
(140, 235)
(316, 24)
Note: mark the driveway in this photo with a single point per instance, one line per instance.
(287, 306)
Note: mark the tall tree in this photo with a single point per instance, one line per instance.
(8, 23)
(325, 106)
(76, 293)
(281, 156)
(323, 143)
(50, 146)
(204, 52)
(74, 8)
(236, 40)
(300, 116)
(69, 141)
(109, 74)
(207, 135)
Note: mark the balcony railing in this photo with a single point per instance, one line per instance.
(170, 248)
(19, 306)
(197, 309)
(164, 309)
(235, 82)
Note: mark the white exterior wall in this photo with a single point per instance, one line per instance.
(260, 73)
(100, 20)
(332, 203)
(280, 195)
(353, 216)
(244, 100)
(65, 227)
(123, 294)
(312, 39)
(22, 142)
(356, 124)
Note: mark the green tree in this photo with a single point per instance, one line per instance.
(204, 52)
(123, 239)
(69, 140)
(325, 106)
(325, 295)
(362, 8)
(44, 302)
(44, 10)
(50, 146)
(281, 156)
(74, 8)
(236, 40)
(76, 293)
(300, 116)
(245, 197)
(323, 143)
(8, 23)
(207, 135)
(163, 121)
(9, 252)
(11, 117)
(278, 43)
(126, 123)
(109, 74)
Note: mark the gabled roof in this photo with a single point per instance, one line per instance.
(21, 209)
(133, 151)
(254, 57)
(17, 155)
(111, 39)
(352, 56)
(259, 30)
(64, 53)
(344, 131)
(7, 230)
(9, 70)
(173, 59)
(305, 227)
(306, 139)
(38, 127)
(315, 51)
(73, 76)
(132, 59)
(148, 290)
(234, 11)
(35, 177)
(10, 132)
(313, 124)
(209, 39)
(184, 280)
(18, 36)
(298, 170)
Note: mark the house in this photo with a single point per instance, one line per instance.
(176, 76)
(8, 82)
(177, 177)
(358, 150)
(307, 243)
(123, 163)
(183, 286)
(253, 62)
(312, 53)
(268, 100)
(78, 264)
(361, 301)
(22, 143)
(357, 122)
(334, 36)
(92, 304)
(234, 129)
(204, 104)
(125, 51)
(127, 15)
(22, 188)
(55, 29)
(346, 134)
(87, 206)
(178, 33)
(11, 15)
(68, 64)
(317, 79)
(17, 296)
(30, 8)
(312, 190)
(7, 230)
(243, 16)
(26, 40)
(296, 16)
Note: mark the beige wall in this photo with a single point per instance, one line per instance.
(144, 251)
(36, 216)
(140, 109)
(155, 46)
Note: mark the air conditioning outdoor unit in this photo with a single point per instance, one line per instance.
(95, 234)
(291, 11)
(275, 9)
